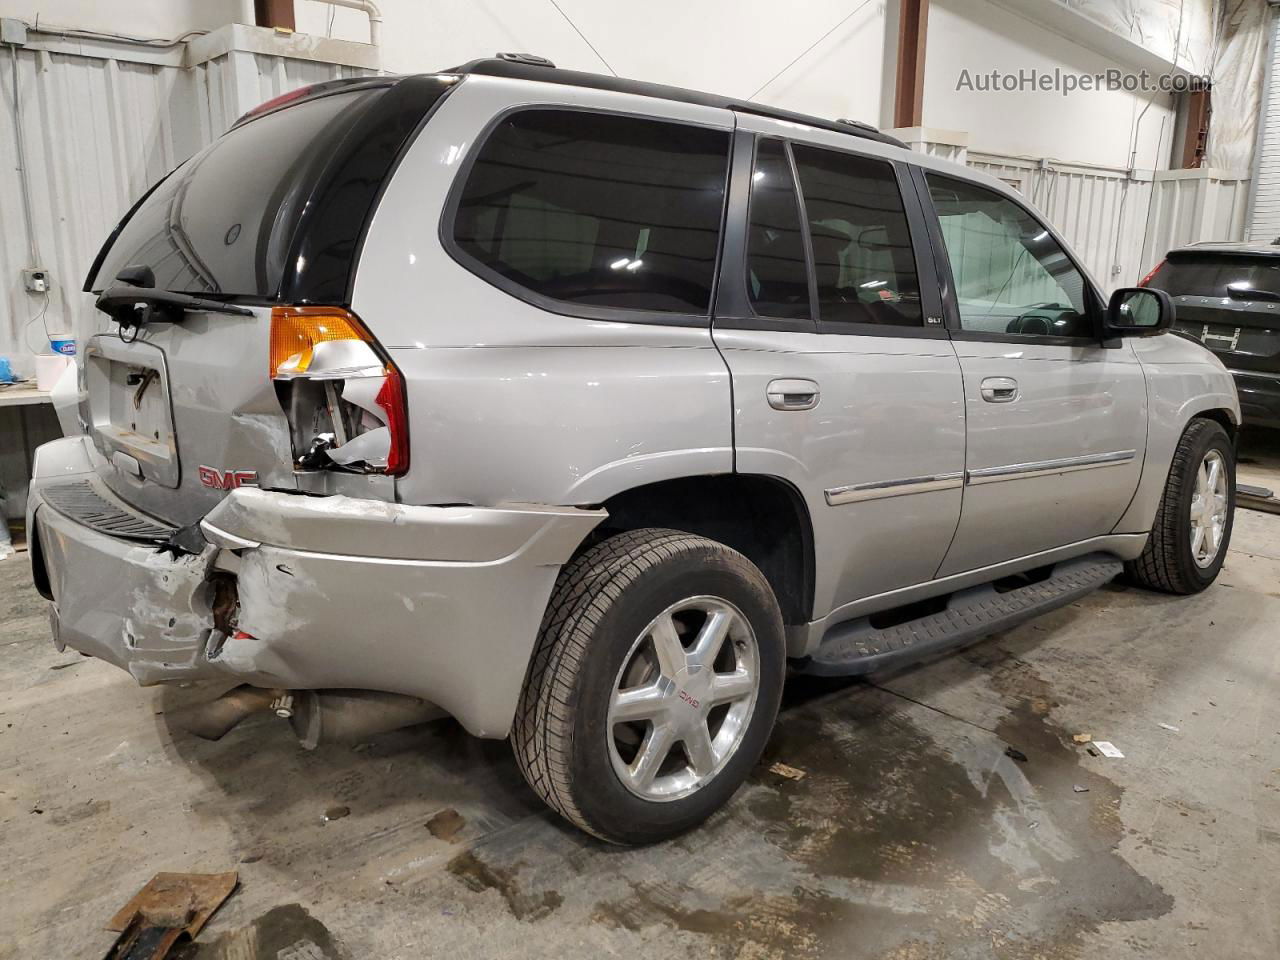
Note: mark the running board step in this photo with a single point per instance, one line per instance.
(856, 647)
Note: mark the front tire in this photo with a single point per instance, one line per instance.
(1192, 529)
(654, 685)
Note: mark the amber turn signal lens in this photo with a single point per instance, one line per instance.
(296, 330)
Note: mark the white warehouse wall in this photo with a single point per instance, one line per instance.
(158, 19)
(1096, 127)
(696, 45)
(665, 41)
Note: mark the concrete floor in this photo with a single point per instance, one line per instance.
(911, 835)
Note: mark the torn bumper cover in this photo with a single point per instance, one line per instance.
(440, 603)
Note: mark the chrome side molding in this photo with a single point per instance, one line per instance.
(1020, 471)
(883, 489)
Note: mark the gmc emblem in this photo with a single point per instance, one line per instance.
(228, 479)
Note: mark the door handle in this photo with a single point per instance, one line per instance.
(999, 389)
(792, 394)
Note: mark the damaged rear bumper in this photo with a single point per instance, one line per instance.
(439, 603)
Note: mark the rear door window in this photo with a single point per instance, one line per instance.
(596, 211)
(777, 275)
(862, 258)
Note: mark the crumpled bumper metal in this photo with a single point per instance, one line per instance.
(440, 603)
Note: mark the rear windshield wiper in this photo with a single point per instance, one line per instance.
(135, 301)
(1236, 292)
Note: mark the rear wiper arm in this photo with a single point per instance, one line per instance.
(132, 306)
(1251, 293)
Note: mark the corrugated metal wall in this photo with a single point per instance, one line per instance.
(1188, 206)
(1264, 218)
(98, 132)
(1101, 211)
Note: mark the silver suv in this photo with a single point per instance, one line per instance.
(582, 409)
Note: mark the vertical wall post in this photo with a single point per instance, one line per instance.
(275, 13)
(913, 27)
(1195, 129)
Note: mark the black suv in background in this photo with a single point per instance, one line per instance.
(1228, 298)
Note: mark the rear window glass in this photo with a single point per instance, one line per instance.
(597, 209)
(862, 258)
(222, 223)
(1209, 276)
(777, 274)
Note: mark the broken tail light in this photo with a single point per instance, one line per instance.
(344, 397)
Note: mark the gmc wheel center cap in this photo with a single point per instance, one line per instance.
(693, 685)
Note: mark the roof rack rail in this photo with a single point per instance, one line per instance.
(527, 66)
(532, 59)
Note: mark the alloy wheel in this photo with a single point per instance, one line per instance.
(1209, 509)
(683, 698)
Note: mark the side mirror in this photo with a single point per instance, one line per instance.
(1138, 312)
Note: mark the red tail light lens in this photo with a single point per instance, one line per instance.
(391, 398)
(274, 102)
(1150, 276)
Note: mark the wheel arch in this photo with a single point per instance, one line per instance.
(1220, 415)
(762, 517)
(1162, 439)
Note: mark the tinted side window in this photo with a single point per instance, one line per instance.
(1010, 274)
(777, 276)
(862, 257)
(597, 209)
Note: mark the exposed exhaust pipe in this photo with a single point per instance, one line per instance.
(349, 716)
(214, 719)
(317, 716)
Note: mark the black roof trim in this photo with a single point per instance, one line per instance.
(1213, 248)
(518, 70)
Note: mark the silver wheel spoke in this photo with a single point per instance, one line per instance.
(1211, 479)
(702, 755)
(657, 744)
(1197, 541)
(639, 703)
(666, 644)
(711, 638)
(727, 687)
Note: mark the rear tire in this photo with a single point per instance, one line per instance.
(651, 639)
(1177, 558)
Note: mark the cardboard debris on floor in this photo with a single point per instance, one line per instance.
(1108, 749)
(1082, 737)
(171, 907)
(788, 771)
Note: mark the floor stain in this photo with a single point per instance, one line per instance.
(74, 813)
(1006, 858)
(480, 876)
(446, 825)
